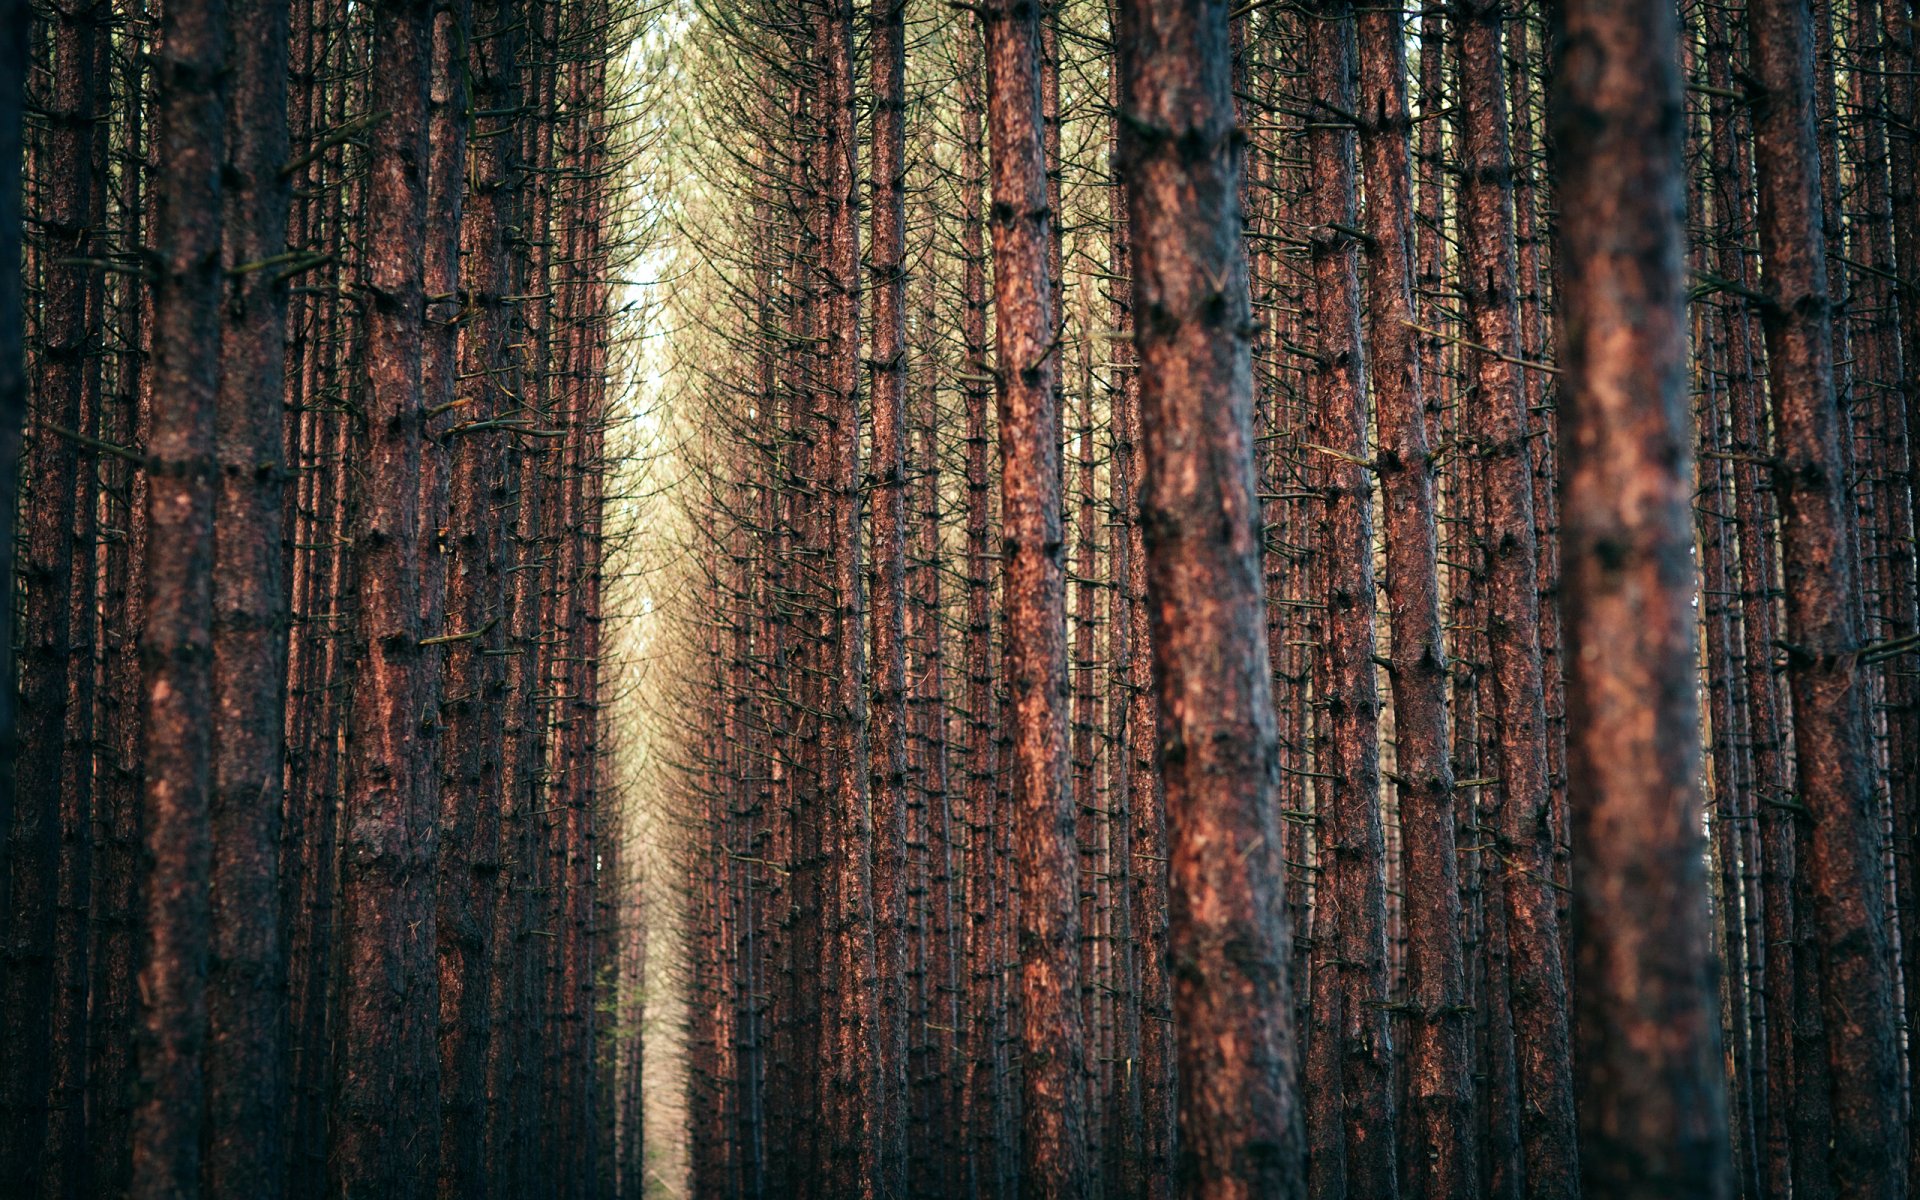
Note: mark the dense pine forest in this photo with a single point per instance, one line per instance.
(959, 598)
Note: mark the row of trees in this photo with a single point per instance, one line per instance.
(311, 884)
(1448, 462)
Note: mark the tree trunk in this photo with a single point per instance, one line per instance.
(176, 644)
(246, 1052)
(1843, 861)
(1441, 1163)
(889, 749)
(1053, 1150)
(1653, 1107)
(1353, 880)
(389, 1000)
(48, 897)
(1520, 801)
(1239, 1110)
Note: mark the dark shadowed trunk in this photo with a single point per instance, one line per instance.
(388, 1000)
(176, 643)
(246, 1051)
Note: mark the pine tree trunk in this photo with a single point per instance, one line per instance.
(1441, 1163)
(50, 817)
(1239, 1115)
(1053, 1136)
(888, 522)
(389, 1000)
(247, 1048)
(1653, 1108)
(1821, 568)
(176, 643)
(1520, 801)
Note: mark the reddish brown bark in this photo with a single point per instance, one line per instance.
(176, 642)
(1438, 1064)
(478, 185)
(389, 1000)
(49, 831)
(1053, 1150)
(888, 522)
(246, 1050)
(1519, 805)
(986, 1096)
(1351, 928)
(1821, 569)
(1239, 1114)
(1653, 1109)
(855, 1108)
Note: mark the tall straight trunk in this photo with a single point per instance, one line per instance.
(176, 643)
(247, 1048)
(83, 97)
(1127, 1168)
(1903, 138)
(1053, 1137)
(1843, 860)
(311, 860)
(1653, 1105)
(389, 994)
(447, 121)
(114, 957)
(985, 1092)
(1090, 817)
(1239, 1111)
(856, 1111)
(1789, 1108)
(950, 1157)
(1137, 751)
(14, 28)
(1353, 879)
(1521, 800)
(888, 45)
(47, 902)
(484, 49)
(1440, 1085)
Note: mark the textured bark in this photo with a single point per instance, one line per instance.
(1789, 1109)
(1347, 808)
(114, 956)
(1239, 1114)
(1053, 1136)
(986, 1095)
(248, 968)
(888, 523)
(46, 907)
(1520, 803)
(176, 642)
(1127, 1167)
(855, 1110)
(1821, 567)
(389, 994)
(1138, 754)
(1653, 1108)
(1903, 138)
(246, 1050)
(1440, 1088)
(14, 26)
(479, 186)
